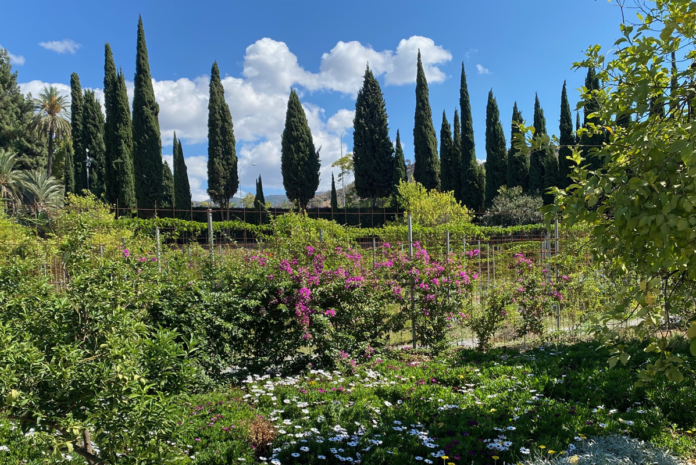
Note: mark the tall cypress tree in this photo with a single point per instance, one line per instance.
(334, 194)
(373, 152)
(577, 127)
(496, 151)
(110, 142)
(674, 86)
(167, 195)
(92, 139)
(299, 160)
(566, 140)
(427, 169)
(399, 173)
(536, 160)
(446, 175)
(472, 192)
(591, 142)
(147, 144)
(259, 198)
(74, 162)
(455, 175)
(550, 174)
(518, 163)
(223, 180)
(122, 163)
(182, 189)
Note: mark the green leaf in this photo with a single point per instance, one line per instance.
(692, 347)
(673, 374)
(691, 333)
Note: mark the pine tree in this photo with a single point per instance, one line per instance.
(259, 198)
(427, 169)
(92, 139)
(591, 142)
(147, 144)
(446, 174)
(299, 160)
(399, 175)
(222, 155)
(472, 192)
(122, 163)
(455, 175)
(518, 163)
(536, 160)
(167, 194)
(334, 194)
(496, 151)
(182, 189)
(110, 141)
(373, 153)
(566, 140)
(16, 114)
(74, 161)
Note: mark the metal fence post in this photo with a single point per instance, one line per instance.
(159, 253)
(210, 235)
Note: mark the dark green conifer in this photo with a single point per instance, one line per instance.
(496, 151)
(334, 194)
(110, 141)
(566, 140)
(92, 139)
(592, 142)
(446, 143)
(182, 189)
(259, 198)
(373, 153)
(536, 160)
(577, 127)
(455, 175)
(400, 173)
(427, 165)
(472, 192)
(550, 175)
(167, 196)
(518, 162)
(122, 163)
(147, 144)
(223, 180)
(74, 161)
(299, 160)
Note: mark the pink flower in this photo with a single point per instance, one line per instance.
(126, 253)
(330, 312)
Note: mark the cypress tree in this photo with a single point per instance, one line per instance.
(455, 175)
(399, 173)
(122, 163)
(427, 164)
(518, 162)
(472, 192)
(167, 195)
(577, 127)
(446, 144)
(334, 194)
(111, 85)
(74, 162)
(496, 151)
(147, 144)
(536, 160)
(259, 198)
(222, 155)
(373, 153)
(566, 139)
(674, 86)
(550, 174)
(92, 138)
(299, 160)
(591, 142)
(182, 189)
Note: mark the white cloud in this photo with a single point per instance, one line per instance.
(469, 53)
(482, 70)
(258, 102)
(61, 46)
(15, 59)
(36, 87)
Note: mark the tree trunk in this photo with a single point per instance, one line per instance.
(50, 151)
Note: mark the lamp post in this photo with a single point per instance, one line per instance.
(88, 164)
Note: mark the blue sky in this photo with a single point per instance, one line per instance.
(264, 48)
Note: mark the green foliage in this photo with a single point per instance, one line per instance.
(447, 183)
(591, 141)
(50, 120)
(470, 195)
(496, 151)
(223, 179)
(537, 157)
(518, 161)
(299, 160)
(147, 144)
(427, 164)
(566, 140)
(72, 180)
(182, 189)
(167, 198)
(456, 165)
(431, 208)
(373, 153)
(92, 139)
(399, 166)
(260, 200)
(487, 322)
(512, 207)
(334, 194)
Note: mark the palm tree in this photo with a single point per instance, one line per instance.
(10, 178)
(51, 118)
(42, 193)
